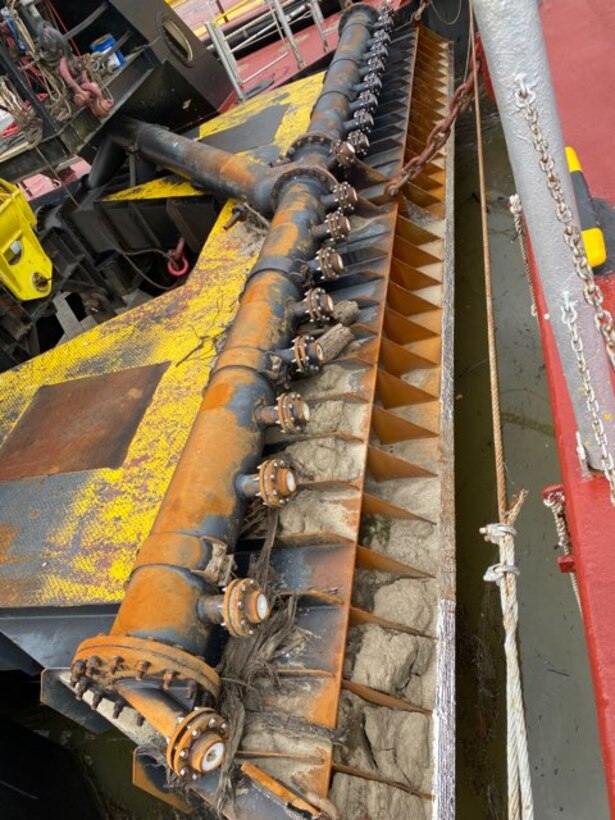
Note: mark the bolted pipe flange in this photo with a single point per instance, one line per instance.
(380, 36)
(335, 227)
(293, 412)
(290, 413)
(198, 744)
(384, 22)
(317, 305)
(374, 66)
(359, 141)
(361, 120)
(328, 263)
(245, 606)
(365, 101)
(343, 197)
(378, 50)
(371, 83)
(274, 483)
(300, 172)
(277, 482)
(385, 11)
(344, 153)
(307, 355)
(124, 657)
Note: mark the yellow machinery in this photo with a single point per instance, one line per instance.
(25, 268)
(593, 237)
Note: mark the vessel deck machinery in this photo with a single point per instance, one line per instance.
(62, 97)
(227, 514)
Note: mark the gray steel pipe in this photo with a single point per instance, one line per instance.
(224, 174)
(512, 37)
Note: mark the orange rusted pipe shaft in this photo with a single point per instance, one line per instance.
(204, 503)
(226, 438)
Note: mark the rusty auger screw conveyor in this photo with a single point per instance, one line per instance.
(180, 593)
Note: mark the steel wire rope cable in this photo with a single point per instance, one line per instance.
(516, 210)
(442, 19)
(504, 573)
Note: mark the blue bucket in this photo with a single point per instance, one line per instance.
(106, 43)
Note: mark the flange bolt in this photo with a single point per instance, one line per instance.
(335, 227)
(290, 413)
(317, 306)
(343, 196)
(361, 120)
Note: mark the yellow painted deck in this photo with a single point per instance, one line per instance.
(69, 538)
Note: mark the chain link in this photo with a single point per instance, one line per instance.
(437, 137)
(416, 17)
(569, 317)
(603, 319)
(556, 502)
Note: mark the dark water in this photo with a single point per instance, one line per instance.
(563, 744)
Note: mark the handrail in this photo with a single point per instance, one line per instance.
(229, 14)
(281, 22)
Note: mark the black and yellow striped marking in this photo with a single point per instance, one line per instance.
(593, 237)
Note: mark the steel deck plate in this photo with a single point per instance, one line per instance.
(70, 539)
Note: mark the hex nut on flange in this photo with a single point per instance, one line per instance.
(293, 412)
(245, 607)
(277, 482)
(308, 355)
(197, 745)
(328, 263)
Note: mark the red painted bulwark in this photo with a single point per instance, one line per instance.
(591, 519)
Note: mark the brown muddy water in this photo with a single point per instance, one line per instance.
(564, 753)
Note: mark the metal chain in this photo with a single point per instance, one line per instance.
(603, 319)
(556, 501)
(569, 317)
(416, 17)
(437, 137)
(517, 215)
